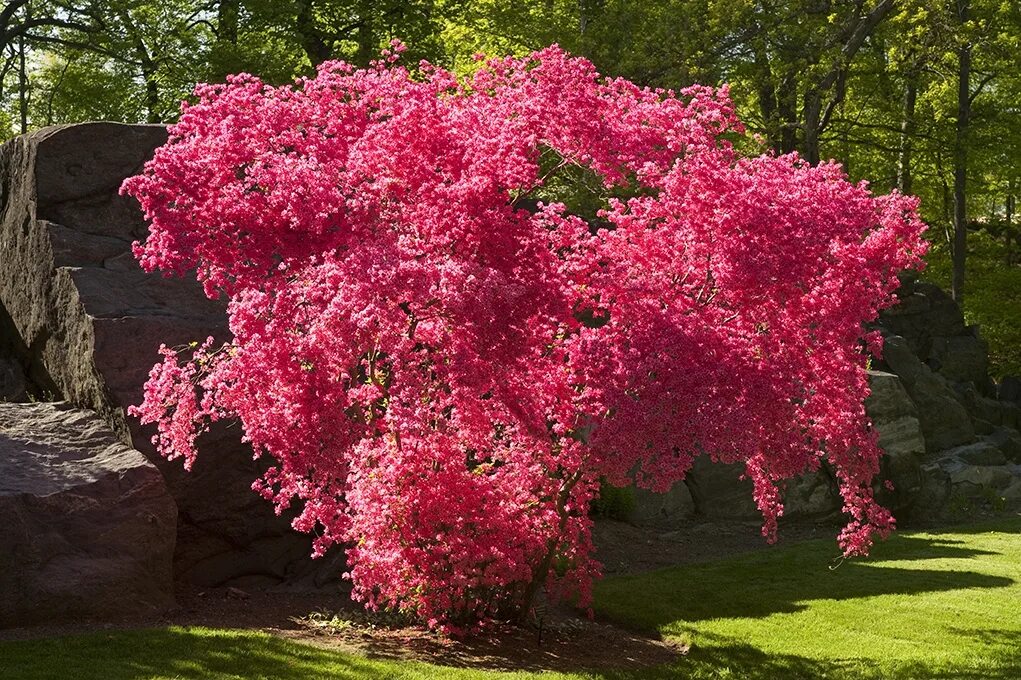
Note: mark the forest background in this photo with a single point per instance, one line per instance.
(914, 95)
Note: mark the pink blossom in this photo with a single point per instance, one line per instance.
(442, 352)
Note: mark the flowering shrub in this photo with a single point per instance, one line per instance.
(443, 353)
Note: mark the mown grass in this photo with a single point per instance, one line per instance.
(924, 605)
(943, 604)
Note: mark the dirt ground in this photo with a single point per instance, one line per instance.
(569, 640)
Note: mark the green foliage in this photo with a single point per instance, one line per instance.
(85, 86)
(614, 502)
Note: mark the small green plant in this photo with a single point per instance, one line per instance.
(323, 623)
(996, 502)
(614, 502)
(333, 623)
(959, 505)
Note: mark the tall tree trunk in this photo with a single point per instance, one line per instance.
(831, 88)
(227, 18)
(368, 45)
(1009, 219)
(23, 77)
(786, 103)
(812, 127)
(152, 92)
(960, 249)
(766, 91)
(311, 38)
(907, 132)
(149, 69)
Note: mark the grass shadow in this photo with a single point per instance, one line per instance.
(184, 653)
(728, 658)
(905, 547)
(759, 585)
(935, 580)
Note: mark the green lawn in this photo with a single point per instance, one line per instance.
(925, 605)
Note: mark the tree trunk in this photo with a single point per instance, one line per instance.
(368, 46)
(23, 93)
(227, 18)
(786, 102)
(907, 132)
(149, 68)
(960, 249)
(816, 116)
(311, 39)
(22, 85)
(812, 128)
(541, 571)
(1009, 219)
(152, 93)
(766, 91)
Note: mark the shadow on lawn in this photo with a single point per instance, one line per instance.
(757, 586)
(178, 653)
(193, 655)
(904, 547)
(728, 658)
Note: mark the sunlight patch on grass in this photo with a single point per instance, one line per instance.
(925, 604)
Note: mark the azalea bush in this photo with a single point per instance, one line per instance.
(456, 305)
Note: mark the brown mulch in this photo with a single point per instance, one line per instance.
(569, 641)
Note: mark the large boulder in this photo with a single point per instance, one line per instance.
(985, 413)
(88, 323)
(660, 510)
(943, 419)
(979, 474)
(721, 490)
(813, 495)
(895, 418)
(961, 358)
(925, 312)
(88, 524)
(13, 386)
(1009, 389)
(1007, 440)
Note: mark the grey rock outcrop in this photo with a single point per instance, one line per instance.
(1009, 389)
(925, 312)
(88, 323)
(719, 490)
(666, 509)
(13, 386)
(944, 420)
(969, 424)
(813, 495)
(88, 526)
(950, 435)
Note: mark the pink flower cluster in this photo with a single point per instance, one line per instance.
(442, 357)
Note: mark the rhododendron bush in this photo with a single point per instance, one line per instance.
(456, 305)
